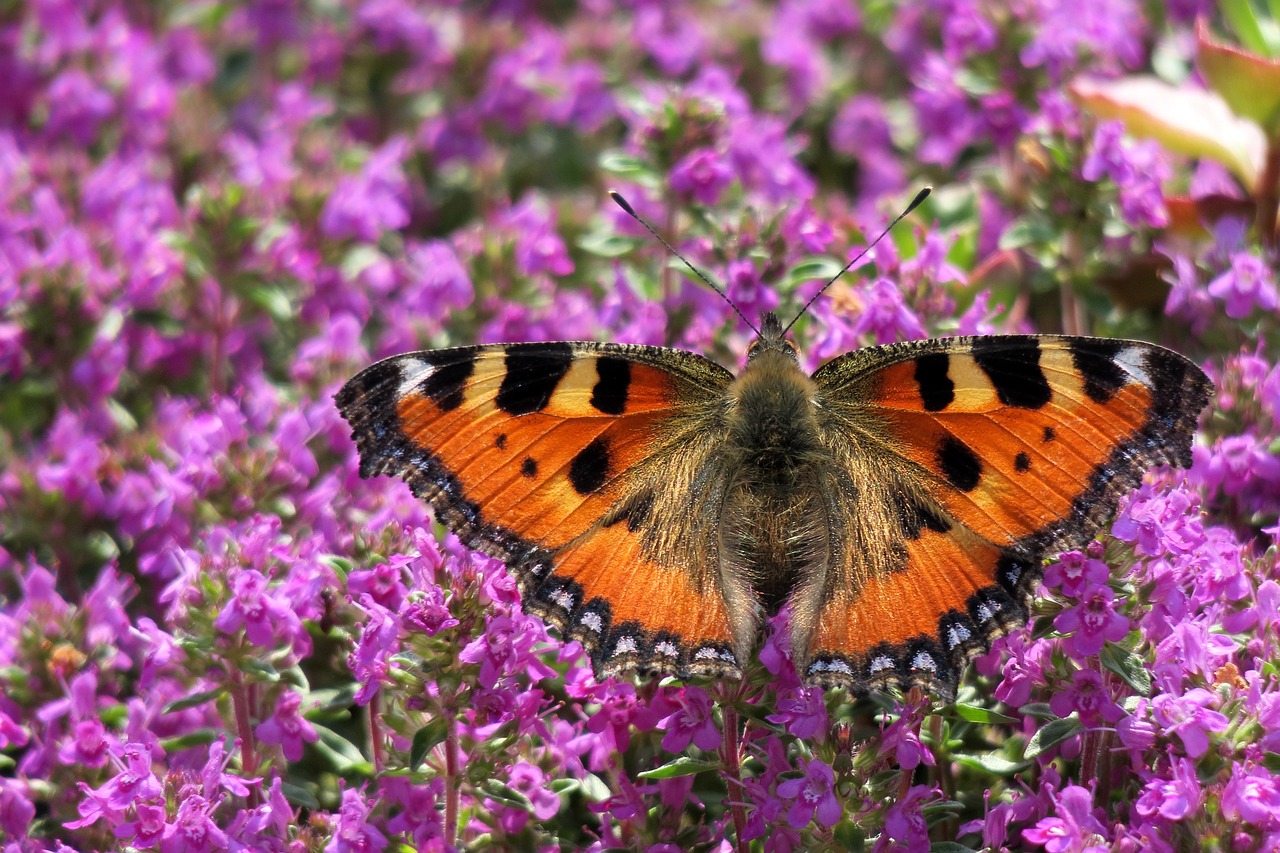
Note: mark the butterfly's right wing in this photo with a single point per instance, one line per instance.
(592, 470)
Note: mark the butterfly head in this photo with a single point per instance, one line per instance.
(772, 338)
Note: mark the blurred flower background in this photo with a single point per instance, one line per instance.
(215, 636)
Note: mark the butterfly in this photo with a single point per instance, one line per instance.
(901, 500)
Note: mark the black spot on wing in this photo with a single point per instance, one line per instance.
(1049, 434)
(915, 517)
(1022, 462)
(529, 467)
(609, 395)
(1012, 363)
(532, 376)
(937, 391)
(590, 468)
(635, 512)
(959, 464)
(1095, 360)
(501, 441)
(448, 379)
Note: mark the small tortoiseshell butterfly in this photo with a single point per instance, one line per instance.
(901, 499)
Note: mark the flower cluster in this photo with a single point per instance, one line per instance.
(216, 636)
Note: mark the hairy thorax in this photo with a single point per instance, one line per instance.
(775, 523)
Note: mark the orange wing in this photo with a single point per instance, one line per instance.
(990, 453)
(585, 467)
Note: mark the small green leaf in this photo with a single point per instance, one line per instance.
(502, 793)
(605, 244)
(976, 714)
(624, 165)
(1271, 761)
(299, 796)
(682, 766)
(426, 739)
(991, 762)
(345, 756)
(195, 700)
(200, 737)
(1128, 666)
(812, 269)
(1050, 735)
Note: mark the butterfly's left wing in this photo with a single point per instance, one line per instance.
(989, 453)
(590, 469)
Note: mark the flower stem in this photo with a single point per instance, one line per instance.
(450, 782)
(375, 733)
(730, 756)
(244, 729)
(1267, 195)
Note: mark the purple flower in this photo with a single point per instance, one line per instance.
(353, 833)
(1248, 285)
(255, 608)
(885, 314)
(1074, 830)
(814, 795)
(287, 727)
(904, 823)
(384, 583)
(694, 720)
(702, 175)
(1137, 169)
(1088, 696)
(1073, 573)
(77, 107)
(1092, 622)
(193, 828)
(1189, 717)
(803, 712)
(375, 200)
(1252, 795)
(1172, 799)
(529, 780)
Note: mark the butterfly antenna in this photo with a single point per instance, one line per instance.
(622, 203)
(915, 202)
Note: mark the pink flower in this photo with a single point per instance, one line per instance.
(694, 722)
(814, 795)
(1092, 622)
(287, 727)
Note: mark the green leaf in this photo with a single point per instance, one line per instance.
(993, 763)
(500, 792)
(299, 796)
(605, 244)
(976, 714)
(200, 737)
(682, 766)
(195, 700)
(1128, 666)
(1050, 735)
(1271, 761)
(1026, 232)
(949, 847)
(345, 756)
(811, 269)
(625, 166)
(1244, 22)
(426, 739)
(1250, 84)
